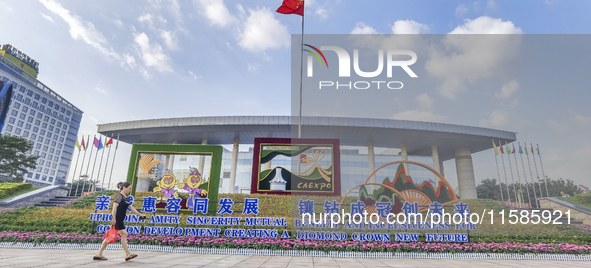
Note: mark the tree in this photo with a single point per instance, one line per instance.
(488, 189)
(14, 160)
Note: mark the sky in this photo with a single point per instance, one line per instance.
(130, 60)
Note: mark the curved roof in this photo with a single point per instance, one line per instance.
(388, 133)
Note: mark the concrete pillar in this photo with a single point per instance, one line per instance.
(170, 160)
(232, 182)
(441, 167)
(202, 158)
(436, 163)
(466, 181)
(404, 155)
(372, 162)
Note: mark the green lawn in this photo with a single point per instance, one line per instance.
(583, 200)
(17, 193)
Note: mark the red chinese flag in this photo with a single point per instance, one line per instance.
(292, 7)
(109, 142)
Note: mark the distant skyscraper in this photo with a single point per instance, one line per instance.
(39, 114)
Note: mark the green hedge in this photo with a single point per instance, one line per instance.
(9, 188)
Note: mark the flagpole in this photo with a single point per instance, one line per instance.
(75, 167)
(518, 177)
(107, 164)
(542, 166)
(114, 158)
(301, 78)
(505, 171)
(531, 174)
(524, 175)
(537, 175)
(93, 166)
(82, 166)
(498, 174)
(511, 171)
(88, 166)
(98, 175)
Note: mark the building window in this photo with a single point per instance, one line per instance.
(30, 93)
(52, 121)
(45, 148)
(30, 119)
(23, 116)
(14, 112)
(37, 122)
(12, 120)
(50, 104)
(42, 132)
(33, 136)
(27, 101)
(37, 176)
(44, 125)
(39, 115)
(8, 128)
(17, 131)
(51, 150)
(38, 146)
(41, 108)
(26, 134)
(20, 123)
(32, 112)
(44, 100)
(57, 107)
(25, 109)
(37, 96)
(19, 97)
(46, 118)
(50, 128)
(28, 126)
(40, 139)
(53, 143)
(34, 105)
(68, 113)
(16, 105)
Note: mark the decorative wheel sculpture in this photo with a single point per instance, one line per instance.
(412, 196)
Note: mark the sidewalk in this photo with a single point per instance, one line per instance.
(83, 258)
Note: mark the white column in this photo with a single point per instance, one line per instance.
(170, 160)
(372, 162)
(436, 163)
(466, 181)
(202, 158)
(441, 167)
(404, 155)
(234, 166)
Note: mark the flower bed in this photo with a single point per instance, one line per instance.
(305, 245)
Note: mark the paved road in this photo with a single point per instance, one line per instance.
(83, 258)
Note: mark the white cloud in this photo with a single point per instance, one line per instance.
(119, 23)
(46, 17)
(322, 13)
(559, 127)
(195, 77)
(216, 12)
(101, 90)
(581, 121)
(507, 90)
(420, 115)
(409, 27)
(175, 9)
(262, 31)
(425, 102)
(424, 111)
(463, 59)
(83, 30)
(461, 10)
(487, 25)
(152, 54)
(496, 119)
(148, 19)
(169, 39)
(253, 67)
(362, 28)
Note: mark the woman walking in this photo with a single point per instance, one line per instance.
(120, 205)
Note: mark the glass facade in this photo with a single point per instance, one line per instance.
(53, 141)
(354, 169)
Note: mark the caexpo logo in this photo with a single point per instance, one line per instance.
(345, 68)
(147, 162)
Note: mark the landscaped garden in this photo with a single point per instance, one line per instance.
(71, 224)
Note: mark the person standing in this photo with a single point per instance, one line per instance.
(120, 205)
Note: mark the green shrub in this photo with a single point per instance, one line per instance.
(11, 187)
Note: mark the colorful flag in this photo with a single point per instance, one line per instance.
(109, 142)
(87, 142)
(513, 148)
(495, 146)
(292, 7)
(501, 146)
(508, 149)
(78, 144)
(83, 144)
(526, 150)
(538, 149)
(98, 143)
(532, 149)
(520, 149)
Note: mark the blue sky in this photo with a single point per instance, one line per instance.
(128, 60)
